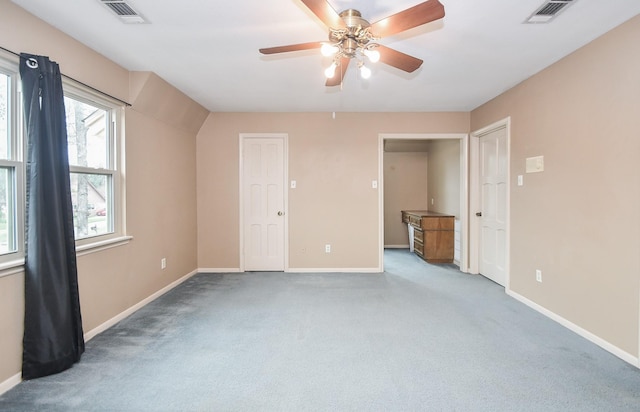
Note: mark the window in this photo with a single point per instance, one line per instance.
(93, 164)
(11, 168)
(93, 125)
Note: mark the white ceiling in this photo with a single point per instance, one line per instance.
(209, 50)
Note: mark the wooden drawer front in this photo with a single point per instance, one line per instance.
(438, 223)
(418, 235)
(415, 220)
(439, 246)
(405, 218)
(418, 248)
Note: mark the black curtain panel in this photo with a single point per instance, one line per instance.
(53, 339)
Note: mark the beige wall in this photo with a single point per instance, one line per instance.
(405, 188)
(11, 324)
(333, 162)
(578, 221)
(160, 186)
(444, 176)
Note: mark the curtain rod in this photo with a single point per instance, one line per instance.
(78, 81)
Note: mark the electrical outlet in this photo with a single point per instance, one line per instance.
(539, 275)
(327, 248)
(163, 263)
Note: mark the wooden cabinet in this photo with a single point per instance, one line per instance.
(433, 235)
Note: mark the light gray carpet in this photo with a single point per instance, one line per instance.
(417, 337)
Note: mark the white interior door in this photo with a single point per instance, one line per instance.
(263, 204)
(493, 201)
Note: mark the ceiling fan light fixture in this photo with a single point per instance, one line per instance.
(372, 54)
(365, 72)
(328, 49)
(330, 71)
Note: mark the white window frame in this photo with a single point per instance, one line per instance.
(115, 165)
(13, 262)
(16, 162)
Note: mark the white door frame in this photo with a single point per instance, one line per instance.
(285, 145)
(474, 198)
(464, 189)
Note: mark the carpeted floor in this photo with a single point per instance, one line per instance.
(416, 337)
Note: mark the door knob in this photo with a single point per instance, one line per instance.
(479, 214)
(280, 213)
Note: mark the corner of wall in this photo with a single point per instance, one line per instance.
(153, 96)
(137, 81)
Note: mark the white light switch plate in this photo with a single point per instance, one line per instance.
(293, 184)
(535, 164)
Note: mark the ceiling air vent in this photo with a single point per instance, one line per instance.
(548, 11)
(124, 11)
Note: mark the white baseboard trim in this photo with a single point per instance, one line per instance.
(625, 356)
(219, 270)
(297, 270)
(106, 325)
(10, 383)
(334, 270)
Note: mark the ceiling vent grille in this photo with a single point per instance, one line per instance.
(124, 11)
(548, 11)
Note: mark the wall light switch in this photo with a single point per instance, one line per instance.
(520, 180)
(293, 184)
(374, 184)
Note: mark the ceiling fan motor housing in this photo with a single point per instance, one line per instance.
(353, 19)
(354, 36)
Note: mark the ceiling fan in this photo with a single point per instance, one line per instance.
(353, 37)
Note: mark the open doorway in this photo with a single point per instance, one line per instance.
(412, 145)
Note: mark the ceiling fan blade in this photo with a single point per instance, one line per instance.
(412, 17)
(325, 12)
(340, 71)
(398, 59)
(291, 48)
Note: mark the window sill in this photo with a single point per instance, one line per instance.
(16, 266)
(102, 245)
(11, 267)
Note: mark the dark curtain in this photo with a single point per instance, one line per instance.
(53, 339)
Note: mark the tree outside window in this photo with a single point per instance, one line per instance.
(91, 179)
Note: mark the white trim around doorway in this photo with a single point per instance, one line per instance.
(464, 188)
